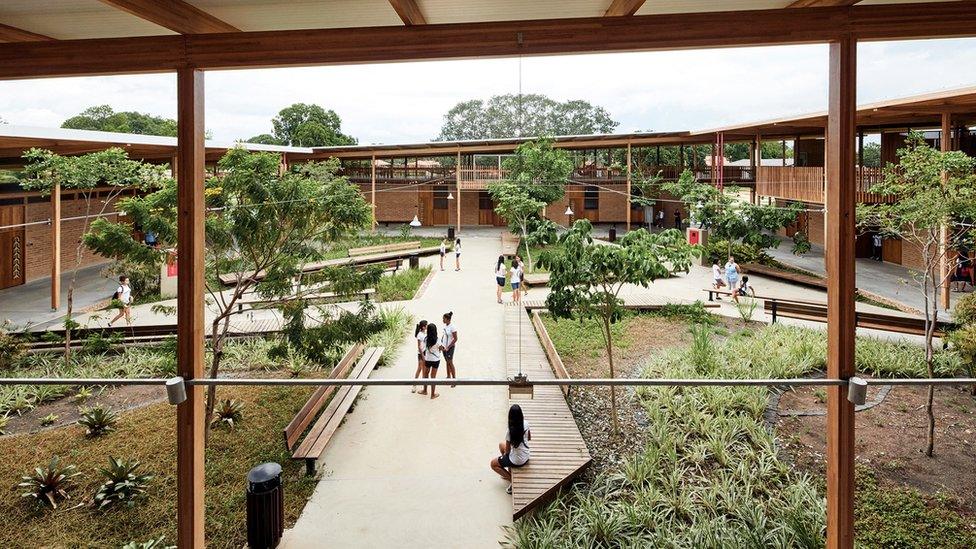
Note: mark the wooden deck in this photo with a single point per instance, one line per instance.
(510, 244)
(641, 302)
(558, 451)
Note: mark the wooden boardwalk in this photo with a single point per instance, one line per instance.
(558, 451)
(510, 244)
(640, 302)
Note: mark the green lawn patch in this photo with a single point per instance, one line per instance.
(401, 285)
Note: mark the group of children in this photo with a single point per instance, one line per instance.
(517, 278)
(431, 347)
(457, 253)
(729, 278)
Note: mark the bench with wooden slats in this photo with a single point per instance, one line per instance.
(808, 280)
(256, 302)
(817, 312)
(536, 279)
(230, 279)
(510, 244)
(340, 400)
(383, 248)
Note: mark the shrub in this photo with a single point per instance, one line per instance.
(83, 394)
(744, 253)
(963, 341)
(98, 344)
(396, 322)
(746, 306)
(18, 400)
(98, 420)
(228, 412)
(401, 286)
(801, 244)
(4, 421)
(50, 484)
(964, 311)
(49, 420)
(12, 347)
(123, 484)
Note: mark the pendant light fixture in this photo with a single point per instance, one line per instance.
(415, 222)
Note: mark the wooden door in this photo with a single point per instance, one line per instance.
(425, 199)
(12, 260)
(891, 250)
(440, 207)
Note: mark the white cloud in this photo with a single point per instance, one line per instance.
(405, 102)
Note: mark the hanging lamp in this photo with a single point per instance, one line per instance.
(569, 211)
(415, 222)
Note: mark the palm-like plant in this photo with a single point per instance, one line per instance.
(123, 484)
(49, 420)
(98, 420)
(228, 412)
(49, 485)
(4, 421)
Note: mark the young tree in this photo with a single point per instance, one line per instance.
(517, 207)
(305, 125)
(510, 115)
(729, 218)
(586, 277)
(936, 201)
(97, 179)
(262, 228)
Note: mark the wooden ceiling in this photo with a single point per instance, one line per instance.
(31, 20)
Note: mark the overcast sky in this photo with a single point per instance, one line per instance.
(405, 102)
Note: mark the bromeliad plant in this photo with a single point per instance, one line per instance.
(586, 277)
(98, 420)
(229, 412)
(50, 484)
(123, 484)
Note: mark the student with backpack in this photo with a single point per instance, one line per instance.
(432, 358)
(123, 294)
(420, 335)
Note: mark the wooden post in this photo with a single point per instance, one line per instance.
(628, 209)
(56, 247)
(189, 320)
(945, 266)
(457, 181)
(758, 164)
(840, 290)
(372, 196)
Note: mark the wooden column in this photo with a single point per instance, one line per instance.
(840, 290)
(372, 195)
(457, 181)
(629, 188)
(945, 266)
(189, 299)
(56, 247)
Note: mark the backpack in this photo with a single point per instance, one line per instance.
(116, 294)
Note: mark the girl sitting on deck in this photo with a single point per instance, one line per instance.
(515, 450)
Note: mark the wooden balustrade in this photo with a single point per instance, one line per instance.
(807, 184)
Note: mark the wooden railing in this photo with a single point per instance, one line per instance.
(807, 184)
(730, 174)
(399, 173)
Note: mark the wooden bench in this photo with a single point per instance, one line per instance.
(555, 360)
(510, 244)
(257, 302)
(809, 281)
(230, 279)
(383, 248)
(817, 312)
(340, 399)
(536, 279)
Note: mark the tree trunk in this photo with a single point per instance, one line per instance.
(217, 337)
(528, 254)
(931, 322)
(613, 389)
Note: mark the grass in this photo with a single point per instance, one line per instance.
(398, 323)
(708, 473)
(402, 285)
(148, 435)
(582, 338)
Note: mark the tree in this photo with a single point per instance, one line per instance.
(872, 155)
(729, 218)
(512, 115)
(98, 179)
(936, 203)
(741, 150)
(586, 277)
(262, 228)
(537, 176)
(104, 118)
(305, 125)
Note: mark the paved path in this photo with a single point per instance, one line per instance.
(31, 303)
(407, 471)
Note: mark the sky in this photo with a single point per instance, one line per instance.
(406, 102)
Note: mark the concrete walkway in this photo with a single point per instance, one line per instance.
(407, 471)
(31, 303)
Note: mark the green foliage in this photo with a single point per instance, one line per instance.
(963, 341)
(401, 286)
(50, 484)
(694, 313)
(746, 307)
(12, 347)
(305, 125)
(770, 149)
(718, 249)
(396, 322)
(228, 413)
(729, 218)
(542, 169)
(964, 310)
(157, 543)
(4, 421)
(98, 420)
(503, 116)
(872, 155)
(49, 420)
(801, 244)
(83, 394)
(123, 484)
(111, 167)
(104, 118)
(902, 518)
(98, 343)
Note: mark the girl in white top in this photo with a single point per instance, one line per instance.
(123, 294)
(500, 272)
(420, 334)
(457, 255)
(449, 338)
(432, 358)
(443, 252)
(516, 280)
(515, 449)
(717, 277)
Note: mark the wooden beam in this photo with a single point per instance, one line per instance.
(190, 428)
(409, 12)
(13, 34)
(621, 8)
(822, 3)
(175, 15)
(56, 247)
(494, 39)
(840, 265)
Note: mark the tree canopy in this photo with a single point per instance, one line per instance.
(104, 118)
(503, 116)
(305, 125)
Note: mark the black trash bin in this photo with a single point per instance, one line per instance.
(450, 234)
(265, 506)
(613, 234)
(414, 261)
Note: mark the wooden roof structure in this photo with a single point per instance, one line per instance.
(51, 38)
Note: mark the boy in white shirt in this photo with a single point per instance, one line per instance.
(123, 294)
